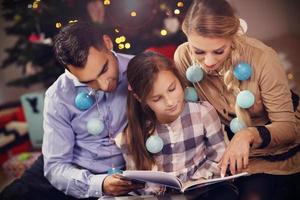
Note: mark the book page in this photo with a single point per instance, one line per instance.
(205, 182)
(158, 177)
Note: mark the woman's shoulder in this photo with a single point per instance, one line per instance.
(257, 48)
(182, 55)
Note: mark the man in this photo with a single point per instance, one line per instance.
(84, 110)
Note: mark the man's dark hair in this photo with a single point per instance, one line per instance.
(72, 43)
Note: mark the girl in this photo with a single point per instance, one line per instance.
(165, 132)
(246, 84)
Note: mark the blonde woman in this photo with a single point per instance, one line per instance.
(243, 79)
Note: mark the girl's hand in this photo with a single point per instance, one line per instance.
(237, 152)
(116, 185)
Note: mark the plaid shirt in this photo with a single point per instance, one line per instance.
(193, 144)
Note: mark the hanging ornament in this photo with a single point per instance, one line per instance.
(242, 71)
(95, 126)
(114, 170)
(96, 11)
(34, 38)
(84, 100)
(194, 73)
(190, 94)
(154, 144)
(171, 24)
(236, 125)
(39, 39)
(245, 99)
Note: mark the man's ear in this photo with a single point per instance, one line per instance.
(107, 42)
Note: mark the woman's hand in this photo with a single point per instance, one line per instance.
(116, 185)
(237, 152)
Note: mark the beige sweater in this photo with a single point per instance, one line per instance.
(272, 101)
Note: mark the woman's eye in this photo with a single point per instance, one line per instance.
(199, 52)
(219, 52)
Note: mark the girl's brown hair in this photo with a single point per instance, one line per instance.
(213, 19)
(141, 73)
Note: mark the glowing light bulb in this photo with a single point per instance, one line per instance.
(127, 45)
(133, 14)
(58, 25)
(117, 30)
(121, 46)
(122, 38)
(176, 11)
(163, 32)
(180, 4)
(106, 2)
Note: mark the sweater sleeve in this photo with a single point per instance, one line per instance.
(276, 98)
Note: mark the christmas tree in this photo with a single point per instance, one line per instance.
(133, 25)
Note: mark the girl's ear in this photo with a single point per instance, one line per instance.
(107, 42)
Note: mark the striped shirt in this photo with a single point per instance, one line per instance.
(193, 144)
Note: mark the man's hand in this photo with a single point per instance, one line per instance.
(116, 185)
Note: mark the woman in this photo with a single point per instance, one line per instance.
(244, 81)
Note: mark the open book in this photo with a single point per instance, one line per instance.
(163, 178)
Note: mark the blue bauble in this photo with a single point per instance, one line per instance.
(194, 73)
(245, 99)
(113, 170)
(84, 101)
(154, 144)
(95, 126)
(190, 94)
(242, 71)
(236, 125)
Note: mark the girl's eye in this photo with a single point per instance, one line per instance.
(172, 89)
(156, 99)
(219, 52)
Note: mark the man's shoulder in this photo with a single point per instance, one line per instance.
(61, 85)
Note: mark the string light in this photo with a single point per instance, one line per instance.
(106, 2)
(133, 14)
(180, 4)
(118, 40)
(117, 30)
(121, 46)
(58, 25)
(290, 76)
(127, 45)
(35, 5)
(176, 11)
(73, 21)
(123, 38)
(163, 32)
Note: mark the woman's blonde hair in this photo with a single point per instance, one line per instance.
(213, 19)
